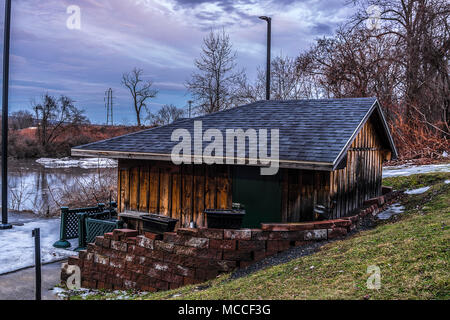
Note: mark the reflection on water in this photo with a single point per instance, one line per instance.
(31, 185)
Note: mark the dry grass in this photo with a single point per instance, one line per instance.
(24, 143)
(84, 191)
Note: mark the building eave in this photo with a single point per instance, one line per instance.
(305, 165)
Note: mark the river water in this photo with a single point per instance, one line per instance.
(35, 188)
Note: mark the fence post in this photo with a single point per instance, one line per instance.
(81, 231)
(37, 260)
(112, 207)
(62, 242)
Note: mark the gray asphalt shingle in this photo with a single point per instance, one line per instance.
(309, 130)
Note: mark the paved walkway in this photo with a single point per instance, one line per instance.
(20, 285)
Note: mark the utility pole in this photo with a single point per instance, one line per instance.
(109, 106)
(190, 107)
(269, 31)
(7, 30)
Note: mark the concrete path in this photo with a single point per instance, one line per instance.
(20, 285)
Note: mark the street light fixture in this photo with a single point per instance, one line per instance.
(269, 28)
(5, 225)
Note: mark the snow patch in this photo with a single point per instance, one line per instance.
(84, 294)
(447, 181)
(59, 292)
(392, 210)
(417, 191)
(85, 163)
(406, 170)
(17, 244)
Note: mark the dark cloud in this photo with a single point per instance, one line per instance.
(222, 3)
(321, 29)
(228, 6)
(327, 8)
(208, 16)
(228, 10)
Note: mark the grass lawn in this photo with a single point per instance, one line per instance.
(412, 254)
(416, 181)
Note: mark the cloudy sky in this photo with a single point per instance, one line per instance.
(163, 37)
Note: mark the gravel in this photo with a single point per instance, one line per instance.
(279, 258)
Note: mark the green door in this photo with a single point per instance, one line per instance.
(261, 195)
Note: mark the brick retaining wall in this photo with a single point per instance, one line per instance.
(123, 259)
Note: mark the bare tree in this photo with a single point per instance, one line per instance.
(140, 91)
(56, 115)
(214, 86)
(404, 61)
(78, 191)
(251, 91)
(21, 119)
(166, 115)
(353, 64)
(287, 82)
(421, 35)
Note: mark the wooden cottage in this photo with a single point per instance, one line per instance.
(330, 153)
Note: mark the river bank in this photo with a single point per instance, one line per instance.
(41, 187)
(26, 144)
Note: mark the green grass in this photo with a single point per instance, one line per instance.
(416, 181)
(412, 254)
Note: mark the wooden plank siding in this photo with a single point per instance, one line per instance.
(300, 191)
(181, 192)
(361, 179)
(347, 188)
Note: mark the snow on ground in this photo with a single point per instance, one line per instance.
(17, 244)
(84, 293)
(417, 191)
(85, 163)
(405, 170)
(392, 210)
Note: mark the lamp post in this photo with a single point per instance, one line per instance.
(269, 31)
(5, 225)
(190, 107)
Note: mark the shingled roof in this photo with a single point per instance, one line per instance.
(313, 134)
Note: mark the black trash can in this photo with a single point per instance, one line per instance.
(159, 224)
(224, 218)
